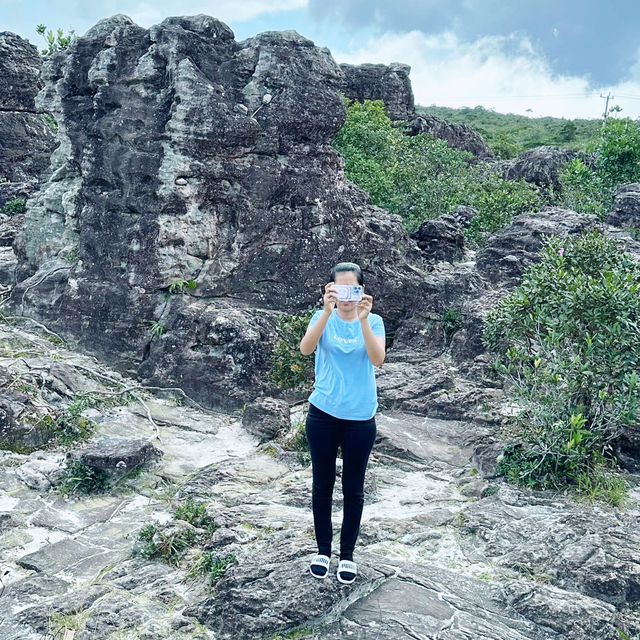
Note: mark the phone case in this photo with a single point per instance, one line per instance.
(348, 292)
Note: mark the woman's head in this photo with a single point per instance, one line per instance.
(346, 273)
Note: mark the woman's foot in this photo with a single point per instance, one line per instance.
(347, 571)
(319, 566)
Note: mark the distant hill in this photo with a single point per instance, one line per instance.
(508, 134)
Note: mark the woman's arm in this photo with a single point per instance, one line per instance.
(375, 344)
(309, 343)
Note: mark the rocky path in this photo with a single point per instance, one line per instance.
(443, 553)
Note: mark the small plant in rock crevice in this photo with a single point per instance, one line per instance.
(171, 541)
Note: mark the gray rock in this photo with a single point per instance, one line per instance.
(512, 249)
(625, 211)
(27, 139)
(542, 165)
(457, 135)
(440, 239)
(267, 417)
(40, 473)
(116, 456)
(486, 457)
(389, 83)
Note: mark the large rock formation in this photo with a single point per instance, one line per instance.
(389, 83)
(26, 139)
(457, 135)
(171, 167)
(625, 210)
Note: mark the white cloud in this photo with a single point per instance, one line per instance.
(147, 14)
(505, 73)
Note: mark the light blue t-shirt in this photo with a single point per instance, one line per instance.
(345, 381)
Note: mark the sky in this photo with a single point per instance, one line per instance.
(557, 58)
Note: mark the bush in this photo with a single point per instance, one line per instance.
(170, 542)
(77, 477)
(55, 43)
(617, 152)
(581, 189)
(568, 340)
(289, 368)
(421, 177)
(13, 207)
(497, 202)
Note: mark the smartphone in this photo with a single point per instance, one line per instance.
(348, 292)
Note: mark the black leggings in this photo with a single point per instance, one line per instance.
(355, 437)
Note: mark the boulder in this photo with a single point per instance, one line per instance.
(267, 417)
(542, 165)
(116, 456)
(625, 211)
(457, 135)
(389, 83)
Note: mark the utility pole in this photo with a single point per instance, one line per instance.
(606, 107)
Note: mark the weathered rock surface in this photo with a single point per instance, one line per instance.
(442, 552)
(27, 139)
(625, 211)
(389, 83)
(457, 135)
(267, 417)
(511, 250)
(116, 456)
(442, 237)
(541, 165)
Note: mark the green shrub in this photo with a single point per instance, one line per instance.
(13, 207)
(51, 121)
(179, 286)
(301, 444)
(451, 322)
(212, 564)
(581, 189)
(80, 478)
(195, 513)
(497, 202)
(289, 369)
(169, 546)
(421, 177)
(617, 153)
(170, 543)
(568, 340)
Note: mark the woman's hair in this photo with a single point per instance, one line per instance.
(346, 266)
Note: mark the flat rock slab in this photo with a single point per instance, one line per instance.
(74, 516)
(76, 558)
(421, 439)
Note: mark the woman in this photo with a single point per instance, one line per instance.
(350, 340)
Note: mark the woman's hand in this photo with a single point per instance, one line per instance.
(330, 298)
(364, 306)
